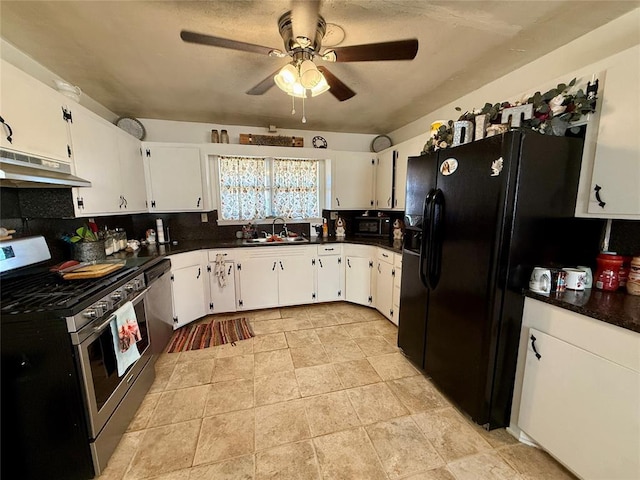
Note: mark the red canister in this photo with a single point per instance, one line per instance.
(608, 274)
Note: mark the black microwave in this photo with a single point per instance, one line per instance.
(373, 226)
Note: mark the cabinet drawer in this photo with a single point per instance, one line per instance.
(333, 249)
(385, 256)
(228, 254)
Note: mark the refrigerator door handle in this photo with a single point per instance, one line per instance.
(435, 244)
(424, 239)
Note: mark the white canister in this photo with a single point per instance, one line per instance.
(588, 279)
(540, 281)
(575, 278)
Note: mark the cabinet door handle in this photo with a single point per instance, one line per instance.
(199, 272)
(533, 345)
(8, 127)
(348, 263)
(338, 201)
(274, 266)
(379, 271)
(125, 201)
(229, 272)
(328, 249)
(281, 267)
(320, 262)
(389, 202)
(199, 200)
(597, 189)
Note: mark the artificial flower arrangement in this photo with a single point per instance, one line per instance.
(553, 111)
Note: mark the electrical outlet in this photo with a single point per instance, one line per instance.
(333, 216)
(204, 217)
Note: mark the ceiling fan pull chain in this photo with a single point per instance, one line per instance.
(304, 118)
(293, 105)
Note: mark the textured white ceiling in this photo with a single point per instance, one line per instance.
(128, 55)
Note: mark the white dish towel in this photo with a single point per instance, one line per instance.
(125, 333)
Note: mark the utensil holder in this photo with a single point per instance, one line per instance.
(89, 251)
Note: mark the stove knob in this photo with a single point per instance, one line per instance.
(116, 296)
(102, 308)
(129, 288)
(90, 313)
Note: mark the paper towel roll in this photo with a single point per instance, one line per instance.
(160, 230)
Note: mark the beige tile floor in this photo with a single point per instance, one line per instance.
(321, 392)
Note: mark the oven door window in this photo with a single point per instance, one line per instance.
(102, 359)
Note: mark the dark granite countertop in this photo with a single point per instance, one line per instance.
(616, 308)
(191, 245)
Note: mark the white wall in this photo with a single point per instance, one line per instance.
(192, 132)
(581, 58)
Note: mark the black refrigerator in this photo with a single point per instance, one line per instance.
(478, 218)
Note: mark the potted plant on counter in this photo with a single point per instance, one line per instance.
(87, 246)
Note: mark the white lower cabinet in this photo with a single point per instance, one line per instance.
(188, 287)
(296, 278)
(577, 391)
(329, 273)
(222, 287)
(384, 288)
(258, 280)
(357, 279)
(277, 276)
(329, 278)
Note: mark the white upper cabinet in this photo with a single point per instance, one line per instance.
(133, 184)
(32, 116)
(111, 159)
(410, 148)
(352, 176)
(95, 155)
(174, 178)
(610, 177)
(384, 179)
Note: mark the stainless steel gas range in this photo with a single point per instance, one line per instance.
(64, 405)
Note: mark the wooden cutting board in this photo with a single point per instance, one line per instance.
(92, 271)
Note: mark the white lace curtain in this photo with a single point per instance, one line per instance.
(295, 188)
(242, 188)
(252, 188)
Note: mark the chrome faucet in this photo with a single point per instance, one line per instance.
(284, 226)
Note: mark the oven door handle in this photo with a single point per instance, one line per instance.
(135, 301)
(104, 324)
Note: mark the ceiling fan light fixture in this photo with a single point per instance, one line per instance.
(286, 78)
(321, 87)
(309, 74)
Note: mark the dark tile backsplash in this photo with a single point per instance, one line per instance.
(46, 212)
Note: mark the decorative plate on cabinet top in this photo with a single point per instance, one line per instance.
(319, 142)
(132, 126)
(380, 143)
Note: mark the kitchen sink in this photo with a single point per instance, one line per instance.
(269, 241)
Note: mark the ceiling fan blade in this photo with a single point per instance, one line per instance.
(304, 18)
(264, 85)
(337, 88)
(398, 50)
(202, 39)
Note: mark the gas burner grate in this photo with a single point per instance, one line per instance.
(50, 292)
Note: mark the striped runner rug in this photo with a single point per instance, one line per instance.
(210, 334)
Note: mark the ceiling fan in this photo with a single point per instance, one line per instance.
(302, 30)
